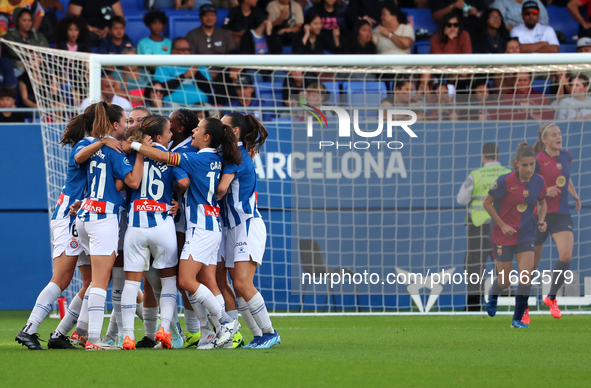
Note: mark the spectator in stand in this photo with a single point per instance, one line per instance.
(155, 20)
(182, 4)
(493, 35)
(361, 39)
(132, 80)
(224, 89)
(584, 22)
(310, 41)
(533, 36)
(523, 95)
(24, 32)
(468, 12)
(25, 88)
(287, 17)
(393, 36)
(584, 45)
(154, 99)
(117, 41)
(330, 12)
(513, 46)
(261, 39)
(7, 77)
(109, 89)
(294, 86)
(442, 97)
(207, 38)
(404, 90)
(96, 14)
(187, 85)
(242, 18)
(560, 85)
(450, 37)
(511, 11)
(363, 9)
(480, 96)
(578, 105)
(72, 34)
(7, 8)
(7, 99)
(246, 97)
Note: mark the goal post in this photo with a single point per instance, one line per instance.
(337, 209)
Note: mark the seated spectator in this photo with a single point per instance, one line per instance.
(23, 33)
(132, 80)
(493, 35)
(7, 8)
(182, 4)
(578, 105)
(155, 43)
(186, 85)
(96, 14)
(330, 13)
(242, 19)
(287, 17)
(294, 86)
(154, 99)
(72, 34)
(361, 39)
(393, 36)
(584, 45)
(225, 86)
(480, 96)
(560, 85)
(7, 99)
(109, 88)
(523, 95)
(450, 37)
(207, 38)
(468, 12)
(117, 41)
(246, 97)
(533, 36)
(261, 39)
(513, 46)
(402, 98)
(26, 91)
(7, 77)
(310, 41)
(365, 9)
(511, 11)
(442, 98)
(315, 94)
(584, 22)
(205, 113)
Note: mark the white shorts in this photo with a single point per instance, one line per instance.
(82, 239)
(103, 236)
(222, 252)
(245, 241)
(158, 242)
(65, 237)
(203, 245)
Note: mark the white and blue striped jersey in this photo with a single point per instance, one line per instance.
(150, 203)
(181, 148)
(75, 185)
(201, 207)
(102, 199)
(240, 202)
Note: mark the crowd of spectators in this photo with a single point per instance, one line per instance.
(320, 27)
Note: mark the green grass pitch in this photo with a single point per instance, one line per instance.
(364, 351)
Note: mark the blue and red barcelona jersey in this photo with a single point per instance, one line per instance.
(201, 206)
(556, 172)
(515, 201)
(149, 204)
(102, 199)
(240, 202)
(75, 185)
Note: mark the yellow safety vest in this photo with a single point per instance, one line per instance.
(483, 178)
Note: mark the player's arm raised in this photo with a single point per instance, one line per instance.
(86, 152)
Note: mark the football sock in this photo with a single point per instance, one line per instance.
(71, 317)
(96, 313)
(191, 321)
(558, 278)
(260, 314)
(150, 322)
(128, 306)
(521, 298)
(82, 325)
(248, 319)
(204, 297)
(167, 302)
(43, 306)
(225, 317)
(118, 277)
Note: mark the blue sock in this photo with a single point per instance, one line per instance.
(558, 278)
(496, 289)
(521, 298)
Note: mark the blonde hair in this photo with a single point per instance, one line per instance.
(539, 146)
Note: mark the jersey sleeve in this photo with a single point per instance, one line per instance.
(543, 191)
(179, 173)
(186, 162)
(537, 170)
(121, 165)
(230, 168)
(499, 188)
(79, 147)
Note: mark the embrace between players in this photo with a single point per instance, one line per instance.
(117, 218)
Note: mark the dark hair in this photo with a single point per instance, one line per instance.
(79, 126)
(355, 35)
(252, 133)
(7, 91)
(153, 15)
(258, 19)
(442, 24)
(503, 32)
(188, 120)
(310, 16)
(22, 11)
(581, 77)
(539, 146)
(61, 29)
(176, 40)
(152, 126)
(401, 81)
(524, 150)
(490, 151)
(117, 20)
(105, 116)
(395, 11)
(223, 135)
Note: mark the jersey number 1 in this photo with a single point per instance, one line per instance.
(212, 185)
(99, 192)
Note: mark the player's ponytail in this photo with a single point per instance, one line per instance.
(524, 150)
(252, 133)
(79, 127)
(105, 116)
(151, 125)
(222, 136)
(539, 146)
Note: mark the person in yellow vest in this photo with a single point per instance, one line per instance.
(472, 194)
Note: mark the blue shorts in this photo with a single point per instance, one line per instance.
(556, 223)
(504, 253)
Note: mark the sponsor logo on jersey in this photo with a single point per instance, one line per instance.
(212, 211)
(94, 206)
(526, 193)
(559, 166)
(60, 200)
(546, 163)
(148, 205)
(561, 181)
(494, 186)
(521, 207)
(126, 161)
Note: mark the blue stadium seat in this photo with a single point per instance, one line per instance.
(561, 20)
(541, 85)
(421, 18)
(422, 47)
(136, 29)
(132, 5)
(222, 15)
(180, 26)
(568, 47)
(360, 88)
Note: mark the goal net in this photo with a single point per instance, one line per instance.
(359, 177)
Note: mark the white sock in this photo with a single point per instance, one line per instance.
(233, 314)
(118, 277)
(167, 302)
(113, 329)
(260, 314)
(128, 305)
(43, 306)
(225, 317)
(192, 321)
(96, 313)
(248, 319)
(82, 325)
(71, 317)
(203, 296)
(150, 322)
(139, 310)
